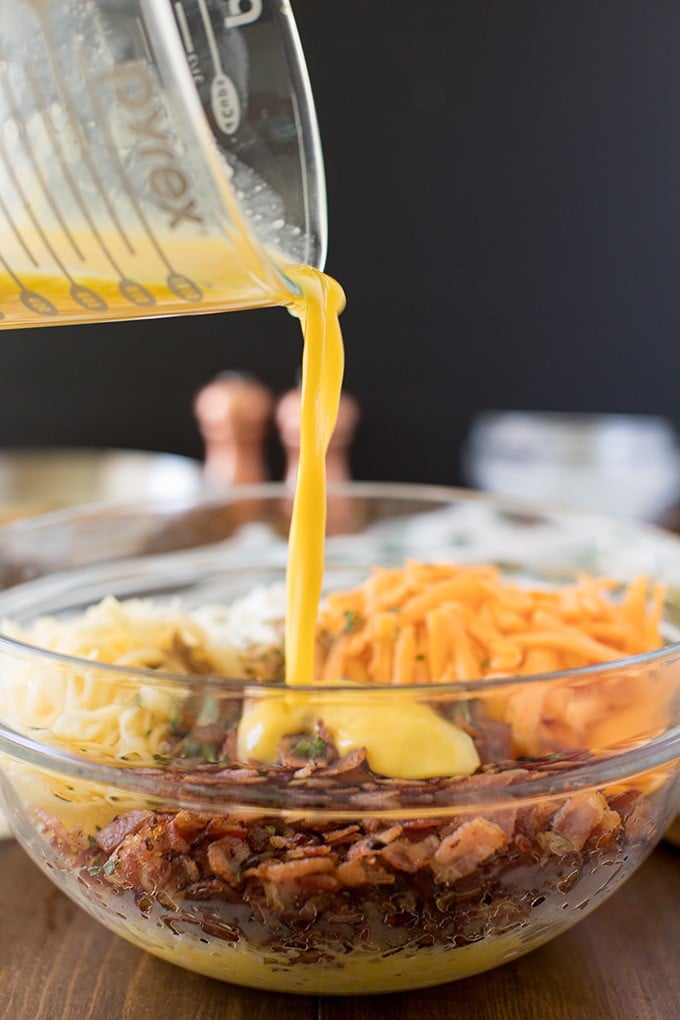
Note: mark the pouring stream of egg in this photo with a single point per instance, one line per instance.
(405, 739)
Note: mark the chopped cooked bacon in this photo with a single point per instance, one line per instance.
(309, 851)
(226, 825)
(346, 766)
(290, 871)
(504, 817)
(401, 854)
(122, 825)
(153, 857)
(389, 835)
(635, 814)
(204, 889)
(493, 741)
(135, 866)
(465, 849)
(228, 750)
(609, 824)
(290, 755)
(365, 848)
(226, 856)
(404, 855)
(188, 824)
(357, 872)
(72, 841)
(534, 819)
(338, 836)
(318, 881)
(420, 824)
(577, 817)
(307, 882)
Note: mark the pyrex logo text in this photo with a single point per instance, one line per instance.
(168, 181)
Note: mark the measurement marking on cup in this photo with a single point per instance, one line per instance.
(130, 289)
(184, 28)
(42, 106)
(35, 302)
(179, 284)
(145, 42)
(185, 32)
(224, 97)
(239, 17)
(83, 296)
(30, 152)
(17, 233)
(76, 126)
(18, 187)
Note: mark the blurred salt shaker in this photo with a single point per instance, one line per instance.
(233, 414)
(337, 459)
(342, 512)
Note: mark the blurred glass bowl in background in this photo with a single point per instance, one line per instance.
(627, 465)
(46, 478)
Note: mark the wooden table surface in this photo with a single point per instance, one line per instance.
(621, 963)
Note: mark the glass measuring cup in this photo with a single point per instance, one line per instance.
(156, 157)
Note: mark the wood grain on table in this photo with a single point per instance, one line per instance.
(621, 963)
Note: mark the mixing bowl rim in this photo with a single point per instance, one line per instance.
(271, 491)
(146, 779)
(212, 496)
(247, 688)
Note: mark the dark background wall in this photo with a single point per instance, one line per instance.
(504, 194)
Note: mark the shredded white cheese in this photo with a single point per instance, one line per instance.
(110, 714)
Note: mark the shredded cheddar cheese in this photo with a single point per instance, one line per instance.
(426, 623)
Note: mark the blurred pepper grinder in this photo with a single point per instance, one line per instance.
(233, 414)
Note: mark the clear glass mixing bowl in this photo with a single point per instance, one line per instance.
(316, 875)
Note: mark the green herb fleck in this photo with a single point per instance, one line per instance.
(420, 657)
(209, 712)
(351, 620)
(174, 719)
(309, 747)
(270, 830)
(485, 663)
(198, 749)
(106, 869)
